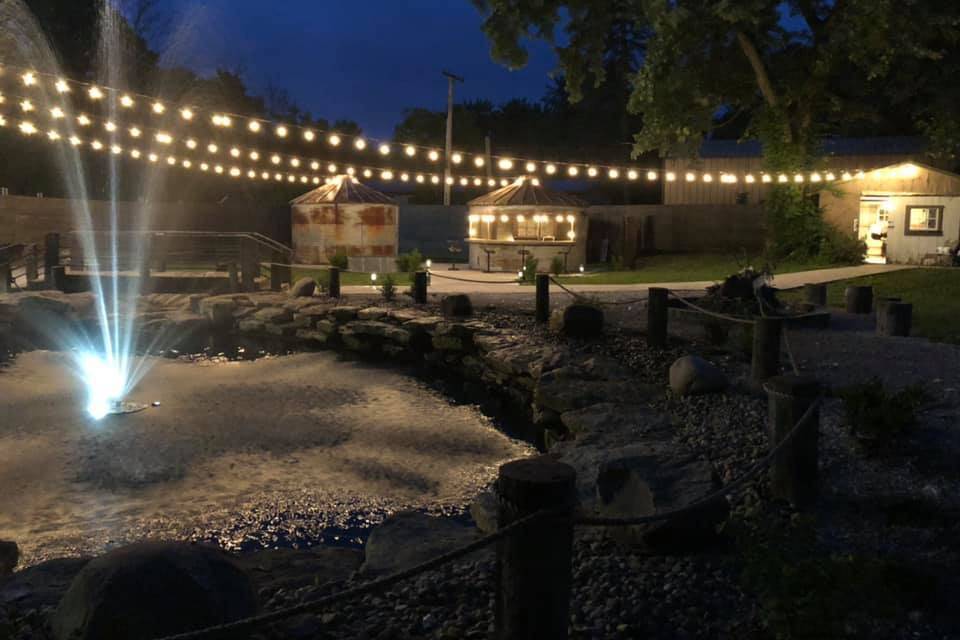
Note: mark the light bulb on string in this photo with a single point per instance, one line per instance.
(212, 148)
(186, 114)
(410, 150)
(294, 162)
(110, 126)
(254, 155)
(456, 158)
(334, 140)
(360, 144)
(613, 174)
(651, 175)
(254, 126)
(134, 132)
(384, 149)
(367, 173)
(309, 135)
(314, 165)
(419, 178)
(592, 172)
(707, 177)
(164, 138)
(690, 176)
(218, 169)
(62, 86)
(75, 141)
(95, 93)
(235, 152)
(671, 176)
(26, 106)
(404, 177)
(332, 168)
(191, 143)
(631, 174)
(550, 169)
(57, 113)
(435, 179)
(126, 101)
(29, 78)
(83, 120)
(275, 159)
(433, 155)
(572, 171)
(153, 157)
(171, 160)
(281, 131)
(505, 164)
(158, 108)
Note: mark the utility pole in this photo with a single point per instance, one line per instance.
(488, 162)
(448, 172)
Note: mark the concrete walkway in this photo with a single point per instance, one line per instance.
(443, 280)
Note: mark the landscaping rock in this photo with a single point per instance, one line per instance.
(425, 324)
(344, 314)
(302, 288)
(565, 389)
(456, 306)
(153, 589)
(291, 569)
(615, 423)
(220, 313)
(41, 585)
(274, 315)
(407, 539)
(484, 510)
(373, 313)
(251, 325)
(579, 321)
(313, 313)
(9, 556)
(692, 375)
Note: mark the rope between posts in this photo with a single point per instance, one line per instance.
(369, 587)
(759, 466)
(708, 312)
(434, 274)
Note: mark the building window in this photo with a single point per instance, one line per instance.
(527, 228)
(924, 221)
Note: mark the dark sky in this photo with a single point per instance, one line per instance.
(365, 60)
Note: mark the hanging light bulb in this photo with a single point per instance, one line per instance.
(815, 177)
(126, 101)
(186, 164)
(29, 78)
(75, 141)
(419, 178)
(671, 176)
(95, 93)
(186, 114)
(294, 162)
(477, 182)
(235, 152)
(830, 176)
(62, 86)
(254, 155)
(254, 126)
(592, 172)
(766, 178)
(135, 153)
(798, 178)
(651, 175)
(164, 138)
(309, 135)
(690, 176)
(478, 161)
(171, 160)
(351, 171)
(410, 150)
(707, 177)
(153, 157)
(332, 168)
(433, 155)
(435, 179)
(632, 174)
(572, 171)
(360, 144)
(463, 182)
(504, 182)
(275, 159)
(334, 140)
(53, 135)
(749, 179)
(26, 106)
(613, 174)
(218, 169)
(158, 108)
(384, 149)
(191, 143)
(550, 169)
(109, 126)
(456, 158)
(135, 132)
(234, 172)
(57, 113)
(97, 145)
(505, 164)
(314, 165)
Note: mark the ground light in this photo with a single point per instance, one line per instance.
(106, 386)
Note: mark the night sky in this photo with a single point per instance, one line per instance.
(365, 60)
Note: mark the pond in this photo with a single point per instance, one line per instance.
(281, 451)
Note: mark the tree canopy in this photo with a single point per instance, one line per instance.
(797, 70)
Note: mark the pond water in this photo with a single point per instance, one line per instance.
(289, 450)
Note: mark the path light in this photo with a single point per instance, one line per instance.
(429, 263)
(581, 268)
(373, 279)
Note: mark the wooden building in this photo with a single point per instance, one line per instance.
(524, 220)
(905, 212)
(345, 216)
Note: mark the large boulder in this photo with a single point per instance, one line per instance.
(578, 320)
(41, 585)
(9, 557)
(407, 539)
(456, 306)
(303, 288)
(153, 589)
(691, 375)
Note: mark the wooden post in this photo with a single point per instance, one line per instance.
(420, 287)
(249, 264)
(30, 265)
(815, 294)
(766, 348)
(146, 258)
(881, 307)
(58, 278)
(543, 297)
(793, 474)
(334, 284)
(5, 279)
(533, 573)
(897, 319)
(233, 277)
(657, 308)
(859, 299)
(51, 257)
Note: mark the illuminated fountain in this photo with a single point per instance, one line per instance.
(108, 364)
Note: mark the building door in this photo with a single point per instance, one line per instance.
(873, 223)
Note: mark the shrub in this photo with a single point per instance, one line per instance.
(340, 260)
(388, 288)
(530, 269)
(409, 262)
(875, 413)
(839, 248)
(557, 266)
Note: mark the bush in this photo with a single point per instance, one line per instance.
(530, 269)
(839, 248)
(557, 266)
(873, 412)
(388, 288)
(409, 262)
(340, 260)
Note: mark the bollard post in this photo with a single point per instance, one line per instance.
(533, 572)
(233, 277)
(146, 258)
(51, 257)
(897, 319)
(766, 348)
(420, 287)
(859, 299)
(5, 279)
(657, 309)
(793, 474)
(334, 284)
(815, 294)
(543, 297)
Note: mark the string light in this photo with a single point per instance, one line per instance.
(235, 152)
(410, 150)
(57, 113)
(275, 159)
(707, 177)
(29, 78)
(126, 101)
(191, 143)
(478, 161)
(281, 131)
(332, 168)
(384, 149)
(134, 132)
(95, 93)
(631, 175)
(419, 178)
(435, 179)
(164, 138)
(254, 155)
(186, 114)
(433, 156)
(613, 174)
(572, 172)
(158, 108)
(116, 149)
(26, 106)
(689, 177)
(110, 126)
(334, 140)
(550, 169)
(592, 172)
(360, 144)
(61, 86)
(456, 158)
(294, 162)
(505, 164)
(671, 176)
(309, 135)
(254, 126)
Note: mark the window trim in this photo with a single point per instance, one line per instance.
(907, 231)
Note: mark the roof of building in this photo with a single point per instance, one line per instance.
(527, 193)
(880, 146)
(343, 189)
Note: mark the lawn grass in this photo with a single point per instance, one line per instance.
(347, 278)
(934, 293)
(680, 267)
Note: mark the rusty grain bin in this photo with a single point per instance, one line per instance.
(345, 216)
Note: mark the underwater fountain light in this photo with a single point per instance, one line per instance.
(106, 386)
